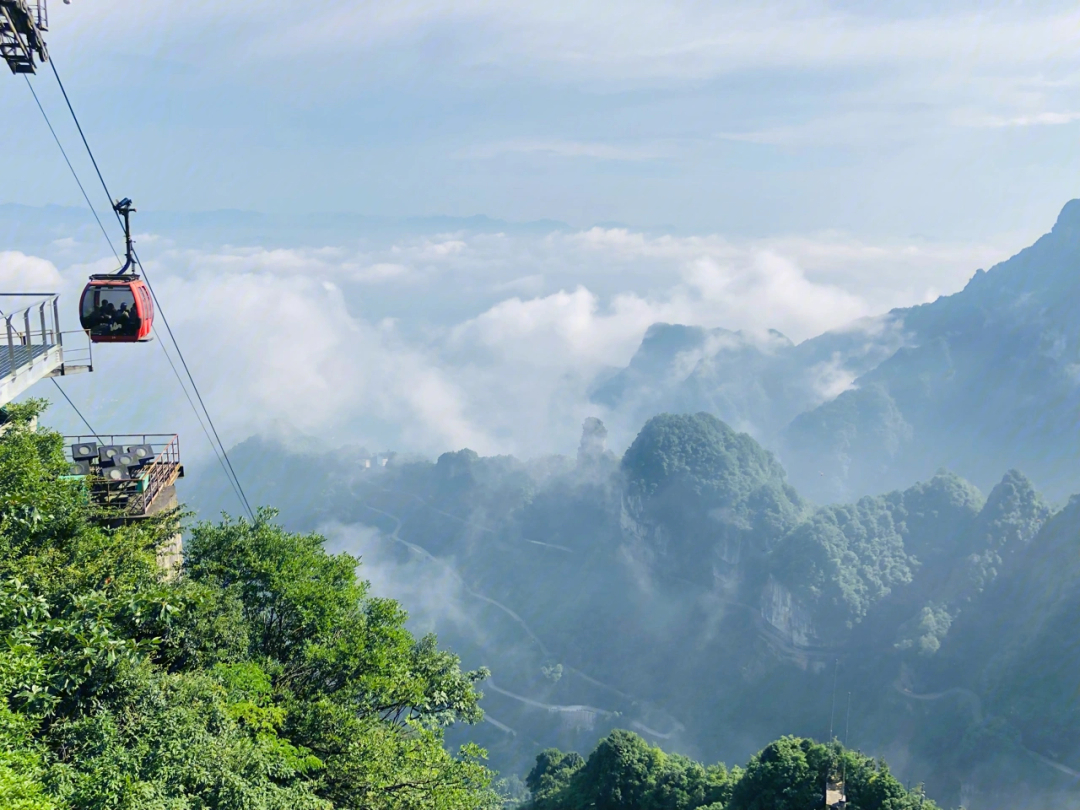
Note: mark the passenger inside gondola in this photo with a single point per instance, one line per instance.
(111, 312)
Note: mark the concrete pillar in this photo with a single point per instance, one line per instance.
(170, 556)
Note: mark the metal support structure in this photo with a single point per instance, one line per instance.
(11, 346)
(124, 209)
(56, 321)
(22, 23)
(147, 491)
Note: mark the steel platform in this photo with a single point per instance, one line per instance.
(31, 344)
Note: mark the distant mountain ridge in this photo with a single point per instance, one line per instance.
(977, 382)
(689, 592)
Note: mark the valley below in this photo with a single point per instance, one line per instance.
(872, 565)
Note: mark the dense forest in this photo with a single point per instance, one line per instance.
(262, 675)
(688, 592)
(624, 772)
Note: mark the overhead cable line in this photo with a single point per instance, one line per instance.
(230, 472)
(194, 387)
(74, 174)
(233, 481)
(172, 365)
(93, 432)
(82, 135)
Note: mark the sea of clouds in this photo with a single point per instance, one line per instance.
(426, 342)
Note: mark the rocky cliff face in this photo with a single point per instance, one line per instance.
(786, 615)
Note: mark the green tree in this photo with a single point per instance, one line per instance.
(792, 773)
(622, 772)
(625, 772)
(788, 774)
(264, 677)
(551, 774)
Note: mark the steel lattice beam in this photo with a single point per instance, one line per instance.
(21, 42)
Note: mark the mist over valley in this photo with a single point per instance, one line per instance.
(695, 590)
(539, 406)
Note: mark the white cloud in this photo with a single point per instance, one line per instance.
(488, 341)
(1033, 120)
(293, 353)
(19, 272)
(436, 598)
(682, 40)
(709, 282)
(628, 40)
(380, 271)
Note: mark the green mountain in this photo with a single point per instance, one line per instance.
(687, 592)
(977, 382)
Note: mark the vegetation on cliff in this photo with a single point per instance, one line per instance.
(692, 555)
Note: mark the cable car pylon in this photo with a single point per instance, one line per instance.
(22, 23)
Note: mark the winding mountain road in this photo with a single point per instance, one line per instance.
(551, 707)
(395, 535)
(975, 703)
(423, 552)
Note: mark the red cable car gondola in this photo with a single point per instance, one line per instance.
(117, 307)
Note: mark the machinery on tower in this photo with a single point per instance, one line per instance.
(22, 25)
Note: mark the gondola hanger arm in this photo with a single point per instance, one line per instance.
(124, 209)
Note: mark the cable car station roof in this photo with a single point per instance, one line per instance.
(127, 476)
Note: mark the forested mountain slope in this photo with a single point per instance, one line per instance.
(977, 382)
(261, 674)
(688, 592)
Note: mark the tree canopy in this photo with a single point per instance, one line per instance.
(625, 773)
(263, 675)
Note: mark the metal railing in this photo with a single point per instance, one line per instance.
(134, 497)
(78, 351)
(29, 335)
(35, 330)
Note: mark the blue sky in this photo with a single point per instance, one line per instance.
(795, 166)
(895, 119)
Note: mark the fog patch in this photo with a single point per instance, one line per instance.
(492, 341)
(22, 273)
(433, 596)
